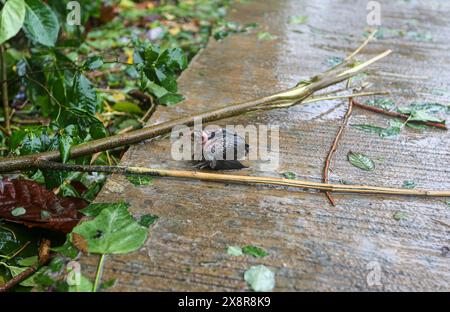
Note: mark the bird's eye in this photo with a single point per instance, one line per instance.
(212, 135)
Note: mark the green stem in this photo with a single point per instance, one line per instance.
(98, 274)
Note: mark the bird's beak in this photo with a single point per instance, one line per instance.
(204, 137)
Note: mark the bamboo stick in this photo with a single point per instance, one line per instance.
(230, 178)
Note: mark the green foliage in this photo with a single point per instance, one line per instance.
(254, 251)
(112, 231)
(361, 161)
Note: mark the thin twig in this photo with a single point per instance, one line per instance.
(43, 258)
(4, 72)
(397, 115)
(229, 178)
(334, 148)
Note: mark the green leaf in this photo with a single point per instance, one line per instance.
(170, 99)
(147, 220)
(84, 96)
(140, 180)
(19, 211)
(127, 107)
(64, 142)
(97, 130)
(409, 184)
(260, 278)
(254, 251)
(85, 285)
(67, 249)
(29, 261)
(299, 19)
(234, 251)
(11, 19)
(369, 128)
(333, 61)
(108, 284)
(266, 36)
(94, 209)
(41, 23)
(398, 216)
(421, 115)
(174, 59)
(383, 103)
(289, 175)
(156, 90)
(94, 62)
(113, 231)
(361, 161)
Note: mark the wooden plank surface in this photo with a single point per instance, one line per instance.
(311, 245)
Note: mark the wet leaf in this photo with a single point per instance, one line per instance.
(361, 161)
(147, 220)
(266, 36)
(289, 175)
(140, 180)
(12, 16)
(333, 61)
(41, 24)
(19, 211)
(260, 278)
(409, 184)
(113, 231)
(65, 142)
(234, 251)
(34, 199)
(383, 103)
(299, 19)
(254, 251)
(398, 216)
(93, 63)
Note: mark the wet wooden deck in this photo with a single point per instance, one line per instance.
(311, 245)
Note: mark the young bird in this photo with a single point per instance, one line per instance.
(215, 144)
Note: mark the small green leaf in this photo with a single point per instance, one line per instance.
(65, 142)
(361, 161)
(41, 24)
(421, 115)
(85, 285)
(108, 284)
(266, 36)
(29, 261)
(254, 251)
(19, 211)
(383, 103)
(140, 180)
(299, 19)
(234, 251)
(113, 231)
(289, 175)
(97, 130)
(398, 216)
(175, 59)
(94, 62)
(11, 19)
(147, 220)
(156, 90)
(260, 278)
(409, 184)
(170, 99)
(369, 128)
(333, 61)
(127, 107)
